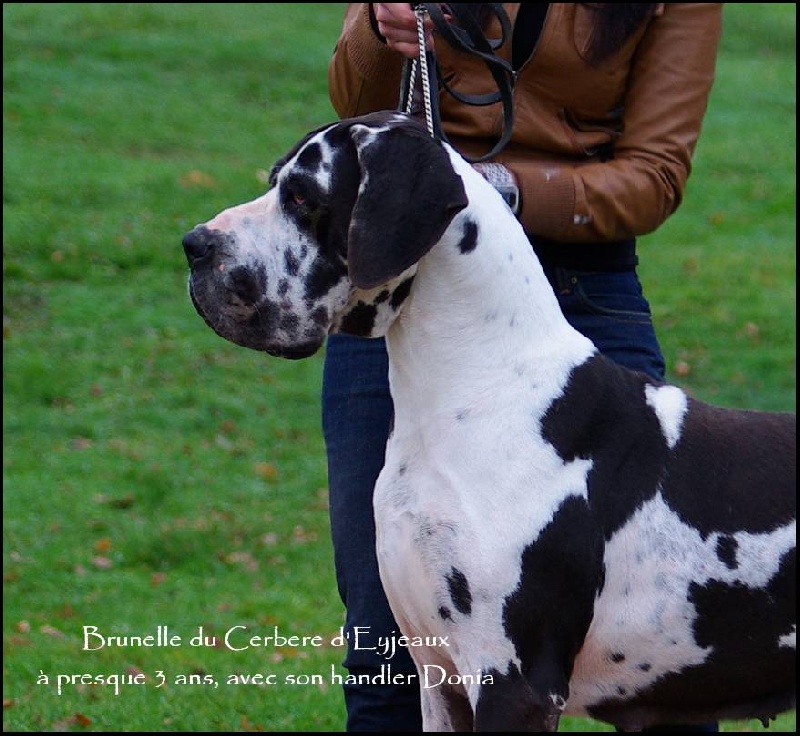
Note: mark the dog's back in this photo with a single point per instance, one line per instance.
(698, 509)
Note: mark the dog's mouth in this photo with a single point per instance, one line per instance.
(297, 352)
(257, 325)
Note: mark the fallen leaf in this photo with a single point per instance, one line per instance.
(245, 559)
(751, 331)
(82, 720)
(228, 426)
(198, 179)
(102, 563)
(78, 719)
(51, 631)
(247, 725)
(682, 368)
(301, 536)
(267, 471)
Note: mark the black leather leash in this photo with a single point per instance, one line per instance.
(463, 32)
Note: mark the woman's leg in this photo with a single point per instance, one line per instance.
(356, 417)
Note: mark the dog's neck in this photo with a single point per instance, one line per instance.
(452, 333)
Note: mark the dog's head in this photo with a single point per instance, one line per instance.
(332, 246)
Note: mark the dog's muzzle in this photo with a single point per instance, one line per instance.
(236, 291)
(244, 287)
(231, 297)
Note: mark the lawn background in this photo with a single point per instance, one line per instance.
(154, 474)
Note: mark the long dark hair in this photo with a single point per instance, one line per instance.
(614, 23)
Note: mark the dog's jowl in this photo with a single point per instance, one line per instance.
(601, 544)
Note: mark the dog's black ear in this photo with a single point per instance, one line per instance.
(408, 195)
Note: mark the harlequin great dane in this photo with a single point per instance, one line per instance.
(575, 536)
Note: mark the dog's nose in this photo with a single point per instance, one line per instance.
(199, 244)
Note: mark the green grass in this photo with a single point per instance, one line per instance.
(156, 475)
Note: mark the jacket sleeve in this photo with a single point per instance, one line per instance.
(666, 99)
(364, 74)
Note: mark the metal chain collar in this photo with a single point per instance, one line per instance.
(421, 63)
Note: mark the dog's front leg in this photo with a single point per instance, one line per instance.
(510, 703)
(457, 696)
(445, 708)
(445, 702)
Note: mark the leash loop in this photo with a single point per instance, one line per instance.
(423, 67)
(463, 34)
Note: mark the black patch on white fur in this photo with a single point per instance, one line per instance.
(360, 320)
(716, 452)
(727, 674)
(310, 157)
(469, 238)
(291, 263)
(460, 593)
(324, 275)
(288, 322)
(603, 416)
(727, 547)
(401, 293)
(547, 616)
(247, 283)
(320, 316)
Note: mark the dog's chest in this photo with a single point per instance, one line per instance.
(449, 484)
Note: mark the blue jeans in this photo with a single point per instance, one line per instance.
(608, 307)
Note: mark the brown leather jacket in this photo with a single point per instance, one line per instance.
(646, 102)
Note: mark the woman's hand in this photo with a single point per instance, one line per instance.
(397, 23)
